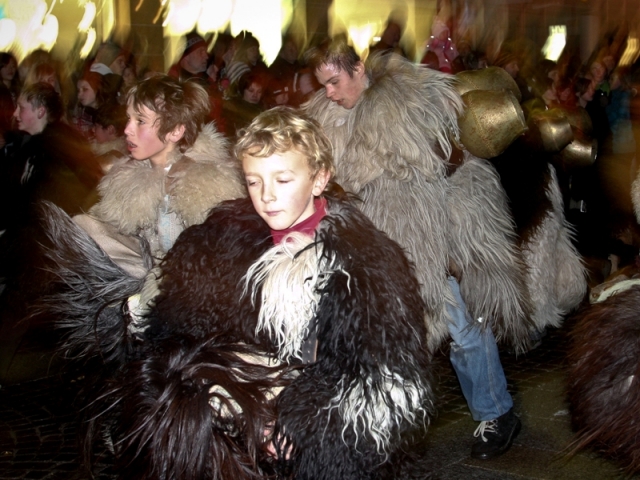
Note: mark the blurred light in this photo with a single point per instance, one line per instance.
(88, 45)
(215, 15)
(361, 37)
(108, 17)
(630, 54)
(48, 32)
(182, 16)
(7, 33)
(88, 17)
(266, 20)
(555, 43)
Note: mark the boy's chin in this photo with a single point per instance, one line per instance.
(276, 223)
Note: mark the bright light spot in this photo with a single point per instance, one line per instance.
(182, 16)
(7, 33)
(361, 36)
(215, 15)
(48, 33)
(555, 42)
(88, 45)
(88, 17)
(266, 20)
(631, 52)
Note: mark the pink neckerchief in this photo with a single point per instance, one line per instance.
(307, 226)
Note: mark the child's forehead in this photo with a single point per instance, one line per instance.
(291, 159)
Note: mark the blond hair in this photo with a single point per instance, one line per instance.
(282, 129)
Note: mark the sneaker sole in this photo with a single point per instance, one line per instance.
(497, 453)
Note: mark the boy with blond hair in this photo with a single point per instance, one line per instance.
(287, 338)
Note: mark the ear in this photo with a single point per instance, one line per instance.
(176, 134)
(111, 130)
(359, 68)
(320, 182)
(41, 112)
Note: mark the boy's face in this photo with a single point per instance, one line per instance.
(30, 119)
(281, 187)
(141, 133)
(341, 88)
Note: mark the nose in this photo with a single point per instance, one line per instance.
(127, 129)
(15, 114)
(267, 194)
(329, 91)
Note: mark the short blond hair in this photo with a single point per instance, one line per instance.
(282, 129)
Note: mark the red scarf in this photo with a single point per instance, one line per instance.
(307, 226)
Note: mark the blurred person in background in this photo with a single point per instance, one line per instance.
(193, 62)
(90, 97)
(246, 58)
(389, 40)
(277, 93)
(9, 91)
(48, 160)
(242, 103)
(109, 143)
(286, 65)
(441, 44)
(305, 85)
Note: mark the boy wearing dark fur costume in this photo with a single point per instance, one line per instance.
(285, 323)
(390, 124)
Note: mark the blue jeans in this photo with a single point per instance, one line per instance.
(475, 359)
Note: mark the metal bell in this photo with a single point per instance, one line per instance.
(491, 121)
(491, 78)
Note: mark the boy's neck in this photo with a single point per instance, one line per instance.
(307, 226)
(161, 159)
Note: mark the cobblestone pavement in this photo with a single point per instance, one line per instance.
(38, 426)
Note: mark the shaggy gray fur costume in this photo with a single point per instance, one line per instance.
(556, 276)
(400, 173)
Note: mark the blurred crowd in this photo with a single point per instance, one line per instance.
(92, 105)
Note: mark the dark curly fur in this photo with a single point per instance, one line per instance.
(604, 374)
(167, 428)
(211, 259)
(364, 322)
(201, 337)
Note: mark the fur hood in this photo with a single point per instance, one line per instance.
(199, 179)
(429, 109)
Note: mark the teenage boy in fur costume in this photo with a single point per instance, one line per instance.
(390, 124)
(180, 167)
(292, 293)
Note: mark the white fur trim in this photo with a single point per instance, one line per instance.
(290, 277)
(396, 401)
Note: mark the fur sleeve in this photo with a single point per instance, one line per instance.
(482, 245)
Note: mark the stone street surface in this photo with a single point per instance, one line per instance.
(38, 419)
